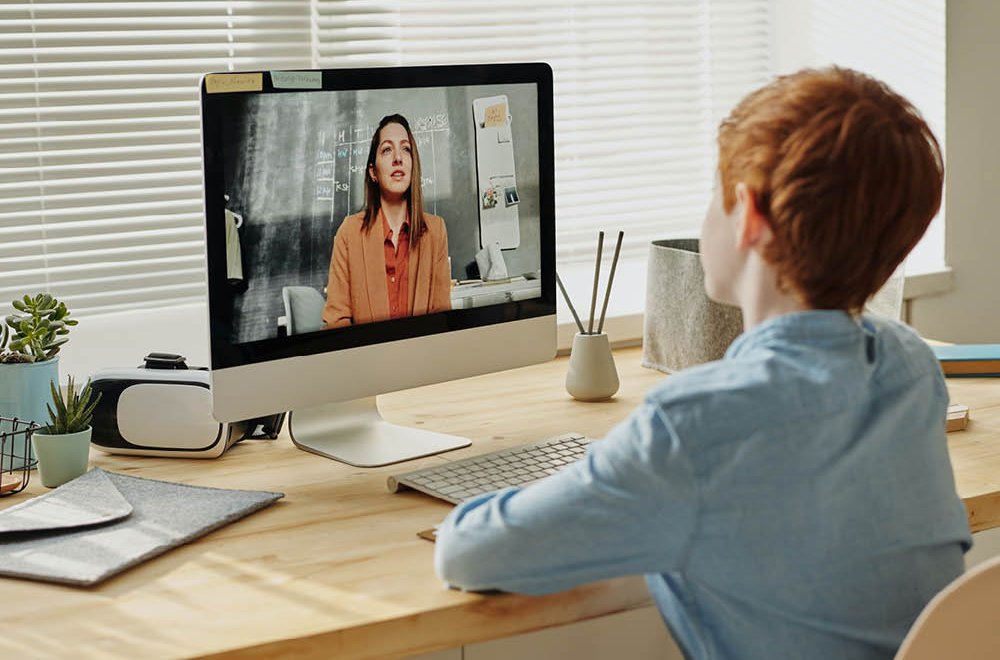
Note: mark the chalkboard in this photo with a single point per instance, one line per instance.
(294, 167)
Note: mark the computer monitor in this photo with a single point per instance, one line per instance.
(324, 287)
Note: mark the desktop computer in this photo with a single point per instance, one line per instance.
(373, 230)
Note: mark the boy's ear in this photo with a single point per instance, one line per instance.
(752, 229)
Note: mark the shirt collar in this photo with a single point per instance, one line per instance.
(817, 327)
(386, 229)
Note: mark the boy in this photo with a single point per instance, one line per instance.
(794, 499)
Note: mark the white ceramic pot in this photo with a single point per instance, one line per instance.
(592, 375)
(61, 458)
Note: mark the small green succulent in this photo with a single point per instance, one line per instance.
(36, 330)
(73, 412)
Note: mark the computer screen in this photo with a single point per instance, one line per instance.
(370, 230)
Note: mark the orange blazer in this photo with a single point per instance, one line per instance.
(356, 291)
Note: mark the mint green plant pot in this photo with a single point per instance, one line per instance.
(24, 389)
(61, 458)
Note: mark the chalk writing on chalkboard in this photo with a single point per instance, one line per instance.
(342, 155)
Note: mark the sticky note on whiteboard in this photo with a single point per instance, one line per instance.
(297, 79)
(216, 83)
(495, 115)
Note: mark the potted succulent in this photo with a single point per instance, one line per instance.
(63, 446)
(30, 340)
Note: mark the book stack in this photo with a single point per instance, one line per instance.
(969, 360)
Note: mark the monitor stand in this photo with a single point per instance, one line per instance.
(355, 433)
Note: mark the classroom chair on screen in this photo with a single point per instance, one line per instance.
(303, 309)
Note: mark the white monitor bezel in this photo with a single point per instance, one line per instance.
(284, 373)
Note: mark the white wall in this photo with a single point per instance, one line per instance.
(122, 339)
(971, 311)
(897, 41)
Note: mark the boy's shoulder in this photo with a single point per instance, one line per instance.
(907, 355)
(722, 392)
(768, 385)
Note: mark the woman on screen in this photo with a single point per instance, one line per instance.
(391, 259)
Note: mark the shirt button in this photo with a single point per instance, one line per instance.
(394, 279)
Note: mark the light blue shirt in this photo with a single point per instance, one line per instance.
(792, 500)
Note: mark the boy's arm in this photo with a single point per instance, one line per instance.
(628, 507)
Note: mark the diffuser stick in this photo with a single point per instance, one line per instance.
(597, 277)
(611, 278)
(570, 303)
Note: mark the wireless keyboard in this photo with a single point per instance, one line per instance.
(459, 480)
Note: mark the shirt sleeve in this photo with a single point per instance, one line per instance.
(629, 507)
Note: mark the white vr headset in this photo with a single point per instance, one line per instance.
(164, 408)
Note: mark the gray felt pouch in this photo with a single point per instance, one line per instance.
(102, 523)
(682, 326)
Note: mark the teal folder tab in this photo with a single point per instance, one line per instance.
(969, 360)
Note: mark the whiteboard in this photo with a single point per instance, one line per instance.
(499, 221)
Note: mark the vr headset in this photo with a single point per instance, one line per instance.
(164, 408)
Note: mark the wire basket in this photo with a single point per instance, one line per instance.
(16, 460)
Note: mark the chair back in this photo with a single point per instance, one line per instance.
(303, 309)
(962, 621)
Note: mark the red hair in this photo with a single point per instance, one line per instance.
(847, 174)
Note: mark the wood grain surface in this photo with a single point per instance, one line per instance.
(336, 569)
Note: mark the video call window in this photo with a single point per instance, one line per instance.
(358, 207)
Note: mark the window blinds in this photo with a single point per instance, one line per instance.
(100, 176)
(639, 90)
(901, 42)
(100, 156)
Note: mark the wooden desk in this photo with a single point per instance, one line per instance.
(975, 452)
(335, 568)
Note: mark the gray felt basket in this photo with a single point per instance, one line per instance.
(682, 326)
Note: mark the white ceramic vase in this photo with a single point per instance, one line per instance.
(62, 457)
(592, 374)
